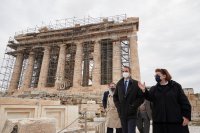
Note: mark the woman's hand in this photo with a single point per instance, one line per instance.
(185, 121)
(141, 86)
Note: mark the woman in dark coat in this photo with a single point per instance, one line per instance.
(171, 110)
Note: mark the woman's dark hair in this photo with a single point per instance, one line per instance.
(164, 72)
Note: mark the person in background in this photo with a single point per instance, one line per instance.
(127, 98)
(144, 117)
(171, 111)
(112, 117)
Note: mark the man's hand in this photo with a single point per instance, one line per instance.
(141, 86)
(185, 121)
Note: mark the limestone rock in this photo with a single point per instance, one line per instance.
(30, 125)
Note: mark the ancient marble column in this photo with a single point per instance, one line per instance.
(78, 66)
(117, 65)
(96, 74)
(29, 71)
(14, 82)
(134, 59)
(44, 68)
(60, 73)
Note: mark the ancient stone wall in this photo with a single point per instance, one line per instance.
(13, 108)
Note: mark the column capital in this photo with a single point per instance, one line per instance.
(32, 53)
(19, 53)
(98, 40)
(47, 47)
(62, 45)
(79, 45)
(79, 42)
(115, 39)
(133, 36)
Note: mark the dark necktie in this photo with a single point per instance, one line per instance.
(126, 85)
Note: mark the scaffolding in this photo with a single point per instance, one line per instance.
(106, 61)
(69, 63)
(37, 67)
(6, 70)
(88, 48)
(73, 25)
(125, 53)
(72, 22)
(54, 55)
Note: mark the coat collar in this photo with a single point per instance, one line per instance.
(129, 85)
(171, 83)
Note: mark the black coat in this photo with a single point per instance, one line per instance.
(170, 104)
(127, 104)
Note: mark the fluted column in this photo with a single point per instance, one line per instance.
(44, 68)
(134, 59)
(60, 73)
(14, 82)
(78, 66)
(116, 61)
(29, 71)
(96, 74)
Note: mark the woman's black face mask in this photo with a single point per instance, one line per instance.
(112, 88)
(157, 78)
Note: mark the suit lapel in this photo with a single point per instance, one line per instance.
(122, 86)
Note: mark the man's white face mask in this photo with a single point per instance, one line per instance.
(125, 74)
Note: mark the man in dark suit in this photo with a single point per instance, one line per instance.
(127, 98)
(144, 117)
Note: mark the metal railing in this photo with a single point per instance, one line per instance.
(99, 128)
(85, 118)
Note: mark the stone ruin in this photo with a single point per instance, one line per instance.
(69, 63)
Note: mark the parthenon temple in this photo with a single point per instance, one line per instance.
(54, 75)
(73, 53)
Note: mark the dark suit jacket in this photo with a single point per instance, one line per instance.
(127, 103)
(148, 107)
(149, 110)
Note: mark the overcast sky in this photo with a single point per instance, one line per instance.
(168, 37)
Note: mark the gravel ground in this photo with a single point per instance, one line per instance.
(193, 129)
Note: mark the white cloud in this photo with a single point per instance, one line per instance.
(168, 35)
